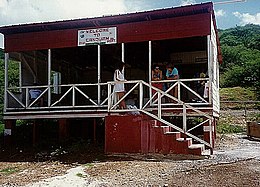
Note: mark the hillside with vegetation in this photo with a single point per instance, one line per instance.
(241, 57)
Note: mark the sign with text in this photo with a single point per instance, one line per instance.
(97, 36)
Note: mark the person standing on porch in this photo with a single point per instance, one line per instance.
(156, 76)
(172, 74)
(119, 77)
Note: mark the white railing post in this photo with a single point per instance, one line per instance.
(6, 81)
(26, 97)
(140, 95)
(73, 95)
(179, 90)
(184, 118)
(159, 105)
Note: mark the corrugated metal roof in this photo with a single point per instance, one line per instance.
(109, 20)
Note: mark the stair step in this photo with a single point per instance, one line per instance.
(183, 139)
(172, 132)
(206, 152)
(196, 146)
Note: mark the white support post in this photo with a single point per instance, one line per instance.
(99, 74)
(20, 76)
(20, 72)
(109, 101)
(6, 81)
(123, 52)
(209, 67)
(150, 70)
(49, 77)
(218, 96)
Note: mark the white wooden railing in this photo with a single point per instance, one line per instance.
(153, 105)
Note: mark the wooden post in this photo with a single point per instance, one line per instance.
(9, 132)
(63, 129)
(35, 132)
(94, 130)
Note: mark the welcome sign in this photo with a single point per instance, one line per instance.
(97, 36)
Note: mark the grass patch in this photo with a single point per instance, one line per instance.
(88, 165)
(237, 94)
(225, 128)
(8, 171)
(80, 175)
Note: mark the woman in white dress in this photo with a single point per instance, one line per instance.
(119, 76)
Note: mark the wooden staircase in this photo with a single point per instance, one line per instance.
(142, 134)
(168, 141)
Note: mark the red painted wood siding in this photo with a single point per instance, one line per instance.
(178, 27)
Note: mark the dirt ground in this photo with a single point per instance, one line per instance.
(236, 162)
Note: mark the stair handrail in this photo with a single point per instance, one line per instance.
(185, 106)
(158, 117)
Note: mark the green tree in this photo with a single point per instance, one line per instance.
(1, 53)
(241, 57)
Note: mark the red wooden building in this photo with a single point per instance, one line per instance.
(73, 63)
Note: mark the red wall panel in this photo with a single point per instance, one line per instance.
(178, 27)
(41, 40)
(123, 134)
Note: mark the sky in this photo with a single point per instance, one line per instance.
(13, 12)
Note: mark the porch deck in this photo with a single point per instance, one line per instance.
(78, 101)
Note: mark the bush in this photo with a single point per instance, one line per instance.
(225, 128)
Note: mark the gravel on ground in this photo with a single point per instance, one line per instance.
(236, 162)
